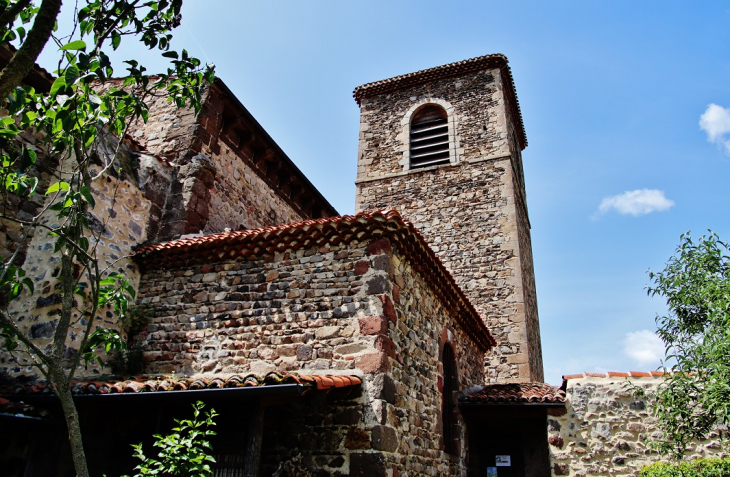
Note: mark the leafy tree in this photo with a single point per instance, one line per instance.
(78, 122)
(695, 398)
(185, 451)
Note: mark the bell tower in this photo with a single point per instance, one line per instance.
(443, 146)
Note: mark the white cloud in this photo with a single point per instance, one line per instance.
(715, 121)
(636, 202)
(644, 347)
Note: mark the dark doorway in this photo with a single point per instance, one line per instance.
(507, 441)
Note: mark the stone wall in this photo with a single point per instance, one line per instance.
(605, 430)
(119, 220)
(469, 210)
(352, 309)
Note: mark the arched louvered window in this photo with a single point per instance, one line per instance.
(429, 139)
(449, 412)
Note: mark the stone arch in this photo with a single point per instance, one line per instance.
(405, 135)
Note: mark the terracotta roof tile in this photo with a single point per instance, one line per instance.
(515, 393)
(19, 408)
(316, 233)
(445, 71)
(640, 374)
(614, 374)
(164, 384)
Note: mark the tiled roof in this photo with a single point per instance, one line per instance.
(15, 408)
(159, 384)
(514, 393)
(315, 233)
(614, 374)
(445, 71)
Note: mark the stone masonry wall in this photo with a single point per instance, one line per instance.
(606, 431)
(352, 309)
(239, 197)
(468, 211)
(119, 219)
(214, 188)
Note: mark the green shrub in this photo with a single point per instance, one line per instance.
(695, 468)
(185, 452)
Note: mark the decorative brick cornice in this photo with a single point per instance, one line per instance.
(447, 71)
(316, 233)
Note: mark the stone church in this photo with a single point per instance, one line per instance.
(401, 341)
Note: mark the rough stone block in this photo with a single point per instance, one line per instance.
(357, 438)
(380, 247)
(383, 388)
(388, 308)
(386, 345)
(367, 465)
(362, 267)
(385, 438)
(373, 363)
(373, 325)
(304, 352)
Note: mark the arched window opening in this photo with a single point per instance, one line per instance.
(449, 411)
(429, 139)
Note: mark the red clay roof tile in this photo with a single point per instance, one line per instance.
(316, 233)
(640, 374)
(163, 384)
(515, 393)
(446, 71)
(614, 374)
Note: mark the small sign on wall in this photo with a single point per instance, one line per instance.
(503, 461)
(492, 472)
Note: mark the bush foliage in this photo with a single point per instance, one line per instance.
(695, 468)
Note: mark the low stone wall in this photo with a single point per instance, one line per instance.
(605, 430)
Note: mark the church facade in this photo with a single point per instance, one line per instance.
(401, 341)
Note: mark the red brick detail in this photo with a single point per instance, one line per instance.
(657, 374)
(396, 293)
(380, 247)
(388, 308)
(614, 374)
(386, 345)
(557, 411)
(362, 267)
(373, 363)
(373, 325)
(595, 375)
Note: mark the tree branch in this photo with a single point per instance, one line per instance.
(24, 59)
(9, 14)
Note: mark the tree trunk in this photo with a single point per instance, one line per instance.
(24, 59)
(73, 425)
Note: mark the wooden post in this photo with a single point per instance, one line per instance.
(253, 442)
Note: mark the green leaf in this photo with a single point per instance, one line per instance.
(57, 85)
(72, 74)
(58, 186)
(75, 45)
(86, 192)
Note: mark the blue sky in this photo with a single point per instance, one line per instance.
(611, 94)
